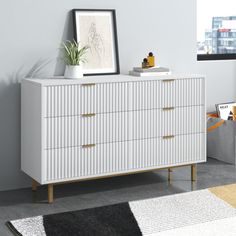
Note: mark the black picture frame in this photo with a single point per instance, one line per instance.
(115, 51)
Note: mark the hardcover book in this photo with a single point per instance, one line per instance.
(151, 69)
(142, 74)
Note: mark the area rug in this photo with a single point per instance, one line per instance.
(204, 212)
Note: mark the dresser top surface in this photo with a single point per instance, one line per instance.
(107, 79)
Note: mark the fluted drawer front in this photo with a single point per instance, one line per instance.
(167, 93)
(66, 163)
(72, 131)
(171, 150)
(170, 120)
(66, 100)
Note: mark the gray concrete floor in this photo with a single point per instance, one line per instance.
(23, 203)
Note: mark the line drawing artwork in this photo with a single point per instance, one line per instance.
(95, 41)
(96, 32)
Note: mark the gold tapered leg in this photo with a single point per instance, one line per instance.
(194, 172)
(50, 193)
(169, 174)
(34, 185)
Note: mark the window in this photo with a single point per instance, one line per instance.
(216, 29)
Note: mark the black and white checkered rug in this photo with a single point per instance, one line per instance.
(180, 214)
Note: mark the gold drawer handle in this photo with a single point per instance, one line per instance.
(88, 115)
(168, 137)
(88, 145)
(87, 85)
(168, 80)
(168, 108)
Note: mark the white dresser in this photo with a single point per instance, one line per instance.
(110, 125)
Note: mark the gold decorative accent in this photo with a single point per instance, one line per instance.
(88, 115)
(88, 145)
(87, 85)
(194, 172)
(34, 185)
(50, 193)
(168, 108)
(168, 137)
(168, 80)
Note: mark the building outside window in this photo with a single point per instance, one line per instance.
(216, 29)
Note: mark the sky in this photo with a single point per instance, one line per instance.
(206, 9)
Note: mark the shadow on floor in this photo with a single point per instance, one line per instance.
(81, 188)
(23, 203)
(128, 188)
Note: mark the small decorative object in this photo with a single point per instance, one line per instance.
(74, 57)
(151, 59)
(145, 63)
(97, 29)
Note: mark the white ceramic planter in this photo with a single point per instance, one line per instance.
(73, 72)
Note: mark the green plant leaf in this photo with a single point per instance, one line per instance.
(73, 53)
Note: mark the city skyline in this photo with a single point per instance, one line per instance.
(220, 38)
(207, 9)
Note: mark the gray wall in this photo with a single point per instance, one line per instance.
(31, 32)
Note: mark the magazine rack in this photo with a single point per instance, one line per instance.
(221, 139)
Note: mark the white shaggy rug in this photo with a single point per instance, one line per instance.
(186, 214)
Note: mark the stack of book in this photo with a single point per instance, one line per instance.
(152, 71)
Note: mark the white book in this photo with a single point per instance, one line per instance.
(151, 69)
(143, 74)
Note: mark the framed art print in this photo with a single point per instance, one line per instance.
(97, 30)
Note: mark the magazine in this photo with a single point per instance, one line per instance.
(225, 110)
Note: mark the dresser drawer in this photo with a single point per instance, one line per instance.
(167, 93)
(94, 128)
(169, 151)
(168, 121)
(90, 128)
(67, 163)
(67, 100)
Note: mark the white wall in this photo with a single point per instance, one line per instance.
(220, 82)
(33, 30)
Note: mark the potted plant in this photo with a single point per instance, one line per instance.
(74, 57)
